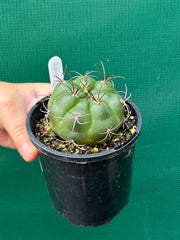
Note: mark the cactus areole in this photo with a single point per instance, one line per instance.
(85, 110)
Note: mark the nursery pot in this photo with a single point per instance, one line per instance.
(87, 189)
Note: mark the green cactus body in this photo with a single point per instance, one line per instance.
(85, 110)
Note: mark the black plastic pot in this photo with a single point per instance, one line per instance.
(88, 190)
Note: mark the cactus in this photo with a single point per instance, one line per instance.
(84, 110)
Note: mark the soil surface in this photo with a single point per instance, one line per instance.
(45, 135)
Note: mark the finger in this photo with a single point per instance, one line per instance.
(6, 140)
(1, 127)
(13, 117)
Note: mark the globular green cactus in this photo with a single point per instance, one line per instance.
(85, 110)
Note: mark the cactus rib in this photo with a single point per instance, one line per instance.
(84, 110)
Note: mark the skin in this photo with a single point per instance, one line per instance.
(16, 99)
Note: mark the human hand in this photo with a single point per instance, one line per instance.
(16, 99)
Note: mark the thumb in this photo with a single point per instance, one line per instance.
(34, 92)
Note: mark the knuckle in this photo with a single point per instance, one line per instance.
(18, 132)
(6, 140)
(6, 101)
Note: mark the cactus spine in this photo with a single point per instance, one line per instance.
(85, 110)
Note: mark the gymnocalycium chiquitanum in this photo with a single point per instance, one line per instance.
(84, 110)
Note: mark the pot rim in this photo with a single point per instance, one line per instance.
(83, 158)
